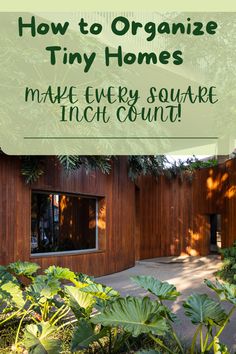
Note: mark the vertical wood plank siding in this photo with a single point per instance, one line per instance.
(175, 215)
(156, 218)
(117, 252)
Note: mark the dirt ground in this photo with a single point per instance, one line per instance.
(187, 274)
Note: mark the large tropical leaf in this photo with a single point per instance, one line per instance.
(63, 274)
(11, 292)
(5, 276)
(39, 339)
(9, 284)
(60, 273)
(84, 335)
(163, 290)
(134, 315)
(28, 269)
(100, 291)
(3, 271)
(44, 287)
(202, 309)
(80, 302)
(84, 278)
(104, 295)
(225, 291)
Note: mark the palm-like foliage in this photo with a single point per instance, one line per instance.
(73, 162)
(147, 165)
(32, 167)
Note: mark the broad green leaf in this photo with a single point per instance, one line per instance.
(202, 309)
(84, 278)
(60, 273)
(79, 301)
(100, 291)
(28, 269)
(3, 271)
(134, 315)
(225, 291)
(162, 290)
(44, 287)
(14, 293)
(39, 339)
(10, 292)
(84, 335)
(5, 276)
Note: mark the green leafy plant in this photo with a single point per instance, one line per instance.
(203, 312)
(27, 269)
(39, 338)
(85, 334)
(159, 165)
(163, 291)
(228, 269)
(44, 301)
(41, 309)
(33, 167)
(134, 315)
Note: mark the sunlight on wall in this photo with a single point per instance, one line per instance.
(215, 183)
(231, 192)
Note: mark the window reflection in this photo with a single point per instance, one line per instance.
(62, 222)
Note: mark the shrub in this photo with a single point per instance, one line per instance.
(38, 312)
(228, 270)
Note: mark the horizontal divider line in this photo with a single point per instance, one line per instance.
(120, 137)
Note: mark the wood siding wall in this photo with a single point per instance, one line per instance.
(175, 217)
(151, 219)
(116, 253)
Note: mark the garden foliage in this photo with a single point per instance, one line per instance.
(37, 309)
(228, 270)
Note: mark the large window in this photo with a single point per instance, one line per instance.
(63, 223)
